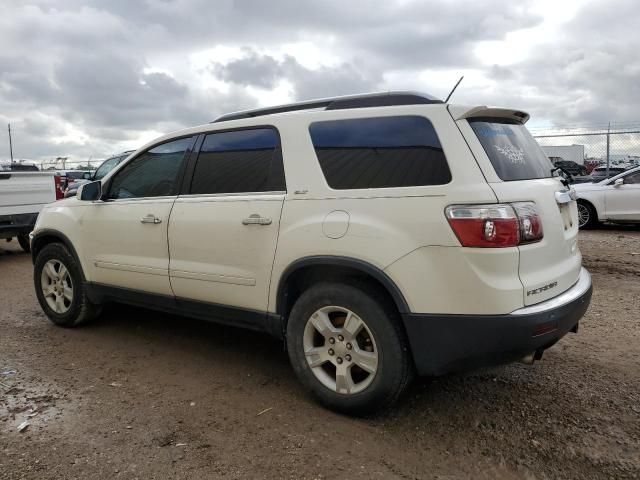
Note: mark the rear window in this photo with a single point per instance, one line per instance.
(514, 153)
(76, 175)
(383, 152)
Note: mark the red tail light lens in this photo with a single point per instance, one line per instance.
(58, 187)
(530, 223)
(499, 225)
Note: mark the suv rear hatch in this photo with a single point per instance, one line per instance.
(517, 170)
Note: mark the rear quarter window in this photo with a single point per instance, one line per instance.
(383, 152)
(513, 152)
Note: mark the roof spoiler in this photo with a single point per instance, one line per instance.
(458, 112)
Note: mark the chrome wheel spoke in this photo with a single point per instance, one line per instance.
(50, 270)
(583, 215)
(63, 273)
(352, 325)
(368, 361)
(322, 324)
(316, 356)
(60, 307)
(47, 290)
(344, 382)
(67, 292)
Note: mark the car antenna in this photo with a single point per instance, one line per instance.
(453, 89)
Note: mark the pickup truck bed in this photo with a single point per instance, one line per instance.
(22, 196)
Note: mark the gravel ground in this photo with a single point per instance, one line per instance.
(144, 395)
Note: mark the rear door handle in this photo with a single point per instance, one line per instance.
(150, 218)
(256, 219)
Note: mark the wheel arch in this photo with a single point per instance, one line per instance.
(306, 271)
(47, 236)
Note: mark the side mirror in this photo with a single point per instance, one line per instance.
(90, 192)
(86, 176)
(619, 182)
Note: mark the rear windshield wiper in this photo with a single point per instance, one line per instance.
(566, 177)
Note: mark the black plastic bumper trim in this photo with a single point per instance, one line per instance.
(446, 343)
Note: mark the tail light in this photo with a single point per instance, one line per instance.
(529, 222)
(58, 187)
(499, 225)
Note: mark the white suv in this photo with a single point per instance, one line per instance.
(378, 235)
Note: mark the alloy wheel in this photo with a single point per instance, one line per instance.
(583, 215)
(340, 350)
(57, 287)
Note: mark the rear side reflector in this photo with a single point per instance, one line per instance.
(495, 225)
(544, 328)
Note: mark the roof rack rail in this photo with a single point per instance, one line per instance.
(382, 99)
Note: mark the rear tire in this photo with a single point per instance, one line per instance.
(587, 215)
(23, 240)
(60, 287)
(360, 363)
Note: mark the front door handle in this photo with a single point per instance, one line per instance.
(256, 219)
(150, 218)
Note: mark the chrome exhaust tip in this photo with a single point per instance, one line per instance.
(528, 359)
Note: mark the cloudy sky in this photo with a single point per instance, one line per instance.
(92, 78)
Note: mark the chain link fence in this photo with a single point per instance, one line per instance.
(53, 165)
(616, 145)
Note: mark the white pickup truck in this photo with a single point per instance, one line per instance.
(22, 196)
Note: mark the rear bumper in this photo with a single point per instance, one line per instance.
(446, 343)
(12, 225)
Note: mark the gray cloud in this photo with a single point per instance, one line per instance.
(590, 75)
(264, 71)
(85, 63)
(252, 69)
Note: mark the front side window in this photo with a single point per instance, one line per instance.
(240, 161)
(106, 167)
(632, 178)
(514, 153)
(382, 152)
(153, 173)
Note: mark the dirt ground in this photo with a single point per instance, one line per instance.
(144, 395)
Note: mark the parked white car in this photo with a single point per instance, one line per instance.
(616, 199)
(377, 235)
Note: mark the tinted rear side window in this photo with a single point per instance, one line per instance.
(239, 161)
(514, 153)
(381, 152)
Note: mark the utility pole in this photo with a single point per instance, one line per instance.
(10, 144)
(608, 142)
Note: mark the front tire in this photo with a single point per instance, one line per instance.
(23, 240)
(587, 215)
(348, 348)
(60, 287)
